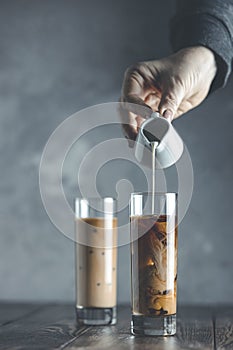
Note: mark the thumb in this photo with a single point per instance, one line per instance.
(170, 102)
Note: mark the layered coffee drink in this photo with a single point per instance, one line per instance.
(96, 262)
(154, 256)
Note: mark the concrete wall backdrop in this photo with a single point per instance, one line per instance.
(57, 57)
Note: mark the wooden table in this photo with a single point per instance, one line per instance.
(26, 326)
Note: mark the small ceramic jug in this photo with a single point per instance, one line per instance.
(169, 144)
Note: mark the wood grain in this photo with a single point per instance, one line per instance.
(194, 331)
(49, 327)
(195, 327)
(25, 326)
(10, 312)
(223, 327)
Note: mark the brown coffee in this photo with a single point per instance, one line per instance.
(154, 252)
(96, 262)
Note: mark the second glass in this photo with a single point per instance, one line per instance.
(153, 263)
(96, 261)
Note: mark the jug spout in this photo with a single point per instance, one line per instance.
(158, 131)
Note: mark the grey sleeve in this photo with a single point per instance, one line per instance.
(208, 23)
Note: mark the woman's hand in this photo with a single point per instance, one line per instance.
(171, 86)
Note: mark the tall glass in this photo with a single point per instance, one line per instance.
(153, 263)
(96, 261)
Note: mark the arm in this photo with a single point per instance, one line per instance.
(208, 23)
(202, 36)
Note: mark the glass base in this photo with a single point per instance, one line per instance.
(96, 316)
(153, 326)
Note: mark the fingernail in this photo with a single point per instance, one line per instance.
(168, 115)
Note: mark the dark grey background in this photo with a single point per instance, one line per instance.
(57, 57)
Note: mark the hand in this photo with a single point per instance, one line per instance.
(172, 85)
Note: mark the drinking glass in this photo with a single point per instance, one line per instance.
(96, 261)
(153, 263)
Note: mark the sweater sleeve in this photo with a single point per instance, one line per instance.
(208, 23)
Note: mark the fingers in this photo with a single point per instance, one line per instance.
(133, 90)
(134, 82)
(131, 116)
(137, 106)
(135, 103)
(170, 102)
(129, 124)
(153, 99)
(135, 87)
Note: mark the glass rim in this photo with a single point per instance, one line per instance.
(95, 198)
(104, 205)
(153, 194)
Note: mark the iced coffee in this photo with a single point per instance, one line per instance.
(96, 267)
(96, 262)
(156, 253)
(154, 264)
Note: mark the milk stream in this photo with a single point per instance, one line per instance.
(154, 146)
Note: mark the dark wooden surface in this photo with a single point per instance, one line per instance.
(25, 326)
